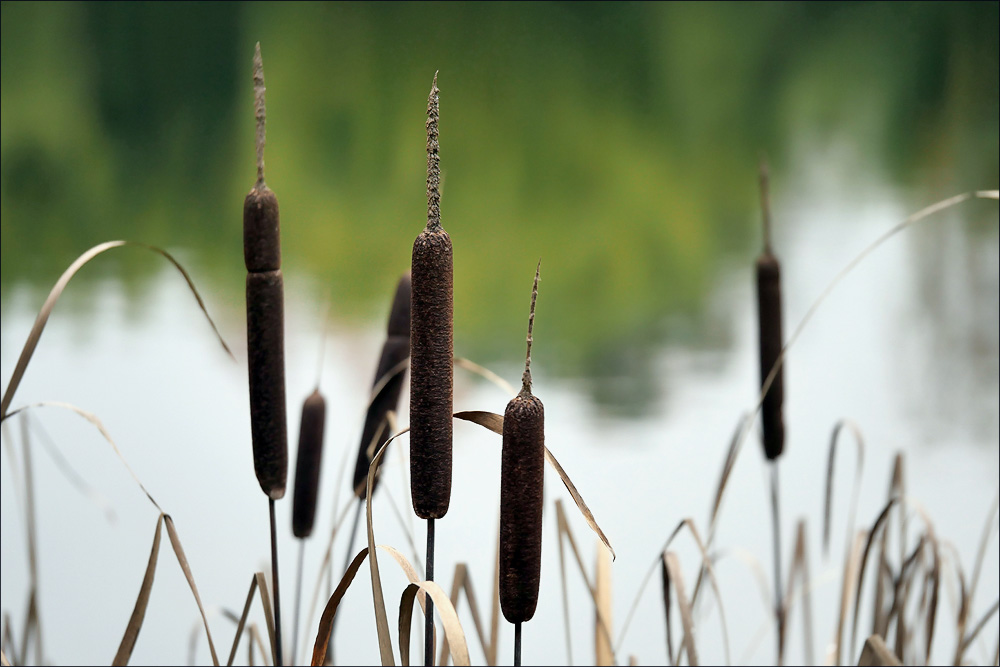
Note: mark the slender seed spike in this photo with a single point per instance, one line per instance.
(260, 111)
(526, 376)
(521, 494)
(433, 160)
(431, 346)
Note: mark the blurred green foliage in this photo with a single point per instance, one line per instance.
(618, 142)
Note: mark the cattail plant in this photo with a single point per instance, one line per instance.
(521, 478)
(769, 318)
(431, 361)
(266, 335)
(386, 388)
(307, 467)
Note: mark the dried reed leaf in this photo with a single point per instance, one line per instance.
(847, 585)
(602, 610)
(856, 486)
(978, 627)
(485, 373)
(449, 619)
(494, 422)
(265, 601)
(727, 469)
(665, 586)
(562, 580)
(871, 535)
(326, 619)
(142, 601)
(983, 542)
(462, 582)
(565, 531)
(800, 567)
(7, 640)
(3, 659)
(876, 654)
(175, 542)
(43, 315)
(242, 621)
(673, 565)
(93, 419)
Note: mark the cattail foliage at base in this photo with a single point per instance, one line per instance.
(265, 317)
(431, 346)
(395, 352)
(521, 484)
(308, 464)
(769, 316)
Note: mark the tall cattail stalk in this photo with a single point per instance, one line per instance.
(266, 336)
(769, 318)
(521, 486)
(308, 463)
(431, 361)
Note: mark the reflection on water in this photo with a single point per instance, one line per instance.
(617, 143)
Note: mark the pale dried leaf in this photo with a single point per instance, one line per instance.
(142, 601)
(449, 619)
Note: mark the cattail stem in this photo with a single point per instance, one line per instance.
(298, 598)
(429, 617)
(274, 577)
(517, 644)
(779, 604)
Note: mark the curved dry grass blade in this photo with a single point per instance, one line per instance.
(175, 542)
(665, 579)
(871, 535)
(876, 654)
(3, 659)
(265, 601)
(847, 585)
(800, 567)
(449, 619)
(935, 583)
(66, 468)
(687, 641)
(43, 315)
(727, 468)
(983, 542)
(856, 487)
(242, 621)
(977, 628)
(139, 611)
(462, 582)
(494, 422)
(92, 418)
(602, 610)
(381, 618)
(562, 579)
(485, 373)
(322, 642)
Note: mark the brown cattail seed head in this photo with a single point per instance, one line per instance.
(769, 312)
(522, 466)
(521, 478)
(266, 361)
(431, 345)
(261, 230)
(394, 353)
(307, 464)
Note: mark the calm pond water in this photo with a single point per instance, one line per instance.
(617, 143)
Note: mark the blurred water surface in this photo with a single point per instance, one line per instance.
(618, 143)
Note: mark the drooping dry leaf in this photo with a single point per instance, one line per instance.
(855, 487)
(848, 584)
(175, 542)
(461, 582)
(876, 654)
(798, 582)
(687, 621)
(321, 645)
(43, 315)
(449, 619)
(242, 622)
(602, 610)
(142, 601)
(494, 422)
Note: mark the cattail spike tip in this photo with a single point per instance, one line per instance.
(433, 160)
(526, 376)
(260, 111)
